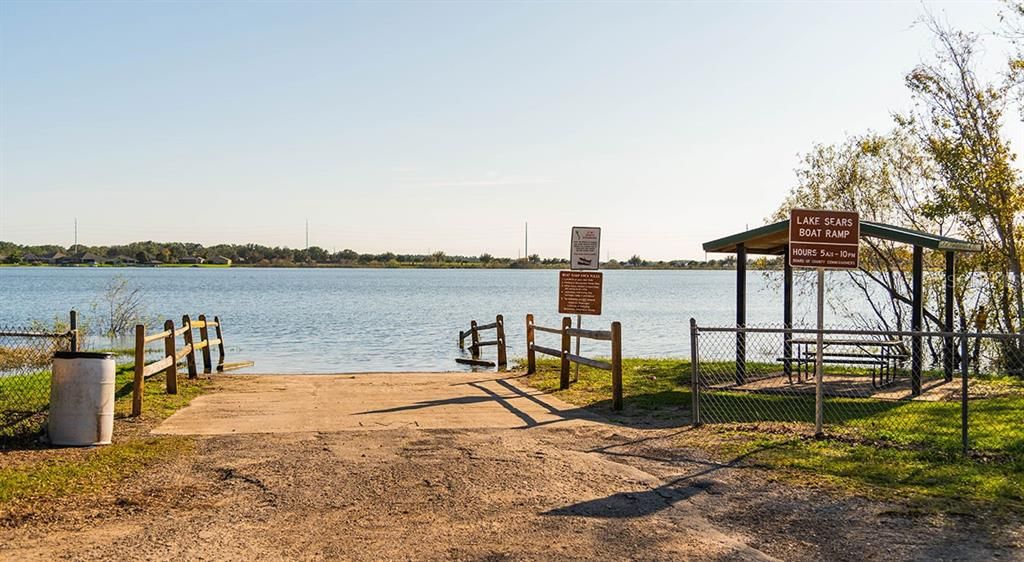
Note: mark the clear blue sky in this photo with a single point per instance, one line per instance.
(416, 127)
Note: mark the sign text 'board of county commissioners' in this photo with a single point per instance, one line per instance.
(579, 292)
(585, 248)
(825, 239)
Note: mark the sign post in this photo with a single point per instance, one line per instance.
(584, 254)
(823, 240)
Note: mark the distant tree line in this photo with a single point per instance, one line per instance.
(257, 255)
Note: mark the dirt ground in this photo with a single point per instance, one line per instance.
(467, 467)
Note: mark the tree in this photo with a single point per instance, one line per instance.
(959, 120)
(122, 306)
(635, 261)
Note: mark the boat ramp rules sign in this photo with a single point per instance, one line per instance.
(824, 239)
(579, 292)
(585, 248)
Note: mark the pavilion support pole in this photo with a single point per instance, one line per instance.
(787, 315)
(949, 359)
(917, 307)
(741, 313)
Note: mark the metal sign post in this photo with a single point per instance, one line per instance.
(579, 325)
(819, 364)
(823, 239)
(584, 254)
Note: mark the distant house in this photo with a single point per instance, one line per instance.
(220, 260)
(194, 260)
(123, 260)
(81, 258)
(49, 259)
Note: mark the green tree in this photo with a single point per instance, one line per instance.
(959, 120)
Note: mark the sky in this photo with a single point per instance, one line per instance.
(418, 127)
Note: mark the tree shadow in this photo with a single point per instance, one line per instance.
(626, 505)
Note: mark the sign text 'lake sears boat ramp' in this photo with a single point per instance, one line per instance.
(828, 239)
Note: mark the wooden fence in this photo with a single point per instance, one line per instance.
(168, 363)
(567, 332)
(475, 344)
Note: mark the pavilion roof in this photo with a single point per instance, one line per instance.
(772, 239)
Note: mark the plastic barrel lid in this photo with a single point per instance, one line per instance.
(82, 355)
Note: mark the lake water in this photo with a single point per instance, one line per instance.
(349, 320)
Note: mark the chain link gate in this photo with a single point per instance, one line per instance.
(967, 399)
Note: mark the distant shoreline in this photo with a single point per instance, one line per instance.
(750, 267)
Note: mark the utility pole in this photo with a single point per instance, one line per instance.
(526, 242)
(307, 235)
(76, 235)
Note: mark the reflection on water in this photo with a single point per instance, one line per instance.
(332, 320)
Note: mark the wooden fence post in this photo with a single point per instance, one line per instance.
(204, 338)
(475, 347)
(171, 373)
(564, 380)
(502, 357)
(190, 359)
(220, 344)
(531, 355)
(616, 366)
(140, 364)
(74, 330)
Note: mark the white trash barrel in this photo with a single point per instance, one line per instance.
(82, 398)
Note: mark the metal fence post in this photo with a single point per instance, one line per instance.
(963, 394)
(694, 374)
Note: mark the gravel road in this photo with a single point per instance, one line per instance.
(465, 467)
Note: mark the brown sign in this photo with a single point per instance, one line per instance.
(579, 292)
(827, 239)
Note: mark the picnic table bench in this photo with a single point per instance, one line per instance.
(883, 356)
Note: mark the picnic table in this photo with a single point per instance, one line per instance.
(883, 356)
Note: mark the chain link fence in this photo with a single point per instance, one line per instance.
(26, 357)
(960, 393)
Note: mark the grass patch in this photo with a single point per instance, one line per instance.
(35, 472)
(91, 472)
(890, 449)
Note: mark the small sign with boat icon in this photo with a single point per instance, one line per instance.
(585, 248)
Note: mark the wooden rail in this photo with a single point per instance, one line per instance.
(172, 354)
(568, 332)
(475, 344)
